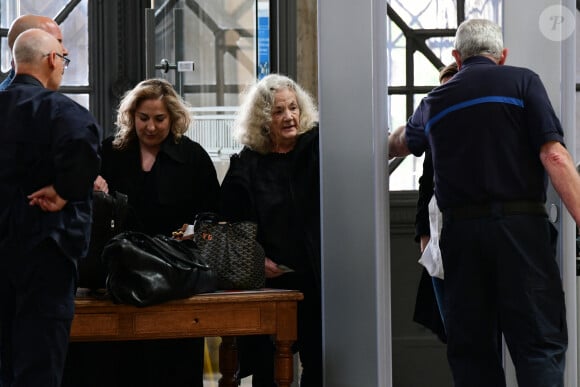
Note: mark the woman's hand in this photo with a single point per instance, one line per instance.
(424, 240)
(100, 184)
(272, 269)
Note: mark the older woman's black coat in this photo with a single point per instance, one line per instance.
(281, 192)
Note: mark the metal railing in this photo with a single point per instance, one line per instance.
(212, 128)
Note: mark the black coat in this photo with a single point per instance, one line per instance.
(426, 190)
(426, 309)
(281, 192)
(182, 183)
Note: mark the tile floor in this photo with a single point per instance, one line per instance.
(213, 381)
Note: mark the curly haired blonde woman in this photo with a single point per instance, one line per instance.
(168, 179)
(274, 181)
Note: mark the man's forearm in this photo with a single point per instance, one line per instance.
(398, 143)
(563, 175)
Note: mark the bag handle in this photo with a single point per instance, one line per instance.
(179, 245)
(207, 217)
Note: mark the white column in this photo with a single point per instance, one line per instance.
(354, 189)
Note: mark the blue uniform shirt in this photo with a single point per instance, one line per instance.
(485, 128)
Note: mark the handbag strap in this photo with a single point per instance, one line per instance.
(188, 251)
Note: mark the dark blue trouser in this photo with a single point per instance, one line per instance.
(502, 270)
(439, 290)
(36, 310)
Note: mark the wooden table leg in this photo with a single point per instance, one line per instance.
(284, 371)
(228, 362)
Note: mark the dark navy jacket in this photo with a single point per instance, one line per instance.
(45, 138)
(485, 128)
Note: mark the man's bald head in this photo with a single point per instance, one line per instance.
(37, 53)
(26, 22)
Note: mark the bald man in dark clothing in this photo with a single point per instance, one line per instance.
(49, 158)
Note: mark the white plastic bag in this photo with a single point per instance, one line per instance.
(431, 257)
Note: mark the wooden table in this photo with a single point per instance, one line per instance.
(225, 314)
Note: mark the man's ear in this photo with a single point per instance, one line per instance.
(52, 60)
(503, 57)
(457, 57)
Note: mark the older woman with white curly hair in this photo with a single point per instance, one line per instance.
(274, 181)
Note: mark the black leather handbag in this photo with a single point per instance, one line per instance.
(110, 216)
(231, 249)
(145, 270)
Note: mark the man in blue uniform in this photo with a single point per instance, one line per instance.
(49, 158)
(494, 134)
(26, 22)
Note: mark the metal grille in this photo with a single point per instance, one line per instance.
(212, 128)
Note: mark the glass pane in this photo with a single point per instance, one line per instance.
(74, 29)
(6, 57)
(417, 15)
(44, 7)
(406, 176)
(75, 32)
(442, 48)
(426, 14)
(398, 114)
(220, 37)
(425, 73)
(8, 12)
(484, 9)
(82, 99)
(396, 49)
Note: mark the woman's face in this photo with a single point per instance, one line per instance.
(285, 120)
(152, 122)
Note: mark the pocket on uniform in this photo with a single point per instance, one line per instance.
(549, 313)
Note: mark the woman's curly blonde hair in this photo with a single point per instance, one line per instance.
(156, 88)
(254, 117)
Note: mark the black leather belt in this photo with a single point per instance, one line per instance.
(519, 207)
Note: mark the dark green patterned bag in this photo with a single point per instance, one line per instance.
(231, 250)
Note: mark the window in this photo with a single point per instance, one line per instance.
(228, 42)
(420, 42)
(73, 20)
